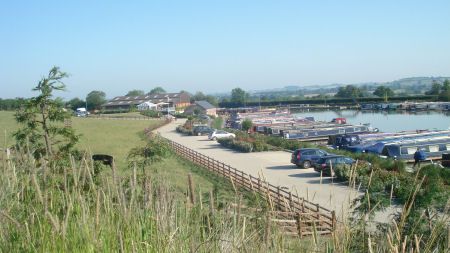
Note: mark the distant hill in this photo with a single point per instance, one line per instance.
(405, 86)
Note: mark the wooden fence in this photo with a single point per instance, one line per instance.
(290, 223)
(278, 197)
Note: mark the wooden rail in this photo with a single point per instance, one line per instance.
(290, 223)
(277, 196)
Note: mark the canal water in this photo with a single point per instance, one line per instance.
(386, 121)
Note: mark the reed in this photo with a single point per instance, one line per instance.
(144, 213)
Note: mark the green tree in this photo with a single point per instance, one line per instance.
(95, 99)
(247, 124)
(135, 93)
(41, 119)
(198, 96)
(75, 103)
(157, 90)
(197, 111)
(382, 91)
(445, 91)
(238, 96)
(435, 88)
(212, 100)
(349, 91)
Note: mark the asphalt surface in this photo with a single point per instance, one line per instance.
(276, 168)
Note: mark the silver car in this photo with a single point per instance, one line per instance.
(217, 134)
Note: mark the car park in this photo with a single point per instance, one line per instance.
(202, 130)
(218, 134)
(305, 157)
(324, 164)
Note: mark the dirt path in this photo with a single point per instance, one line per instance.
(276, 167)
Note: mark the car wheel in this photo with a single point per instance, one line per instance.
(214, 138)
(198, 134)
(306, 164)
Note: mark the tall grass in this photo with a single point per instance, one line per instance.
(70, 208)
(57, 207)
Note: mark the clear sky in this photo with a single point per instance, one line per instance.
(215, 46)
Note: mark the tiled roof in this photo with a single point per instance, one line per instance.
(205, 105)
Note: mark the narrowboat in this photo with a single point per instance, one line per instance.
(324, 133)
(434, 148)
(366, 106)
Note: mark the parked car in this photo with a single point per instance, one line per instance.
(305, 157)
(324, 164)
(217, 134)
(203, 116)
(202, 130)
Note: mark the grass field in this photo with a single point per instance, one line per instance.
(118, 137)
(111, 137)
(7, 126)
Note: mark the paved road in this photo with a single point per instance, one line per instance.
(276, 167)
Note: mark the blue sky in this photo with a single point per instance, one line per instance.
(215, 46)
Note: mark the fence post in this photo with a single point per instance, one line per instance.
(299, 221)
(317, 211)
(243, 179)
(333, 220)
(290, 201)
(191, 189)
(259, 184)
(278, 197)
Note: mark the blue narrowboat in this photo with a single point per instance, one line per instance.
(405, 150)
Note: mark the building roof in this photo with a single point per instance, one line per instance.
(205, 104)
(136, 100)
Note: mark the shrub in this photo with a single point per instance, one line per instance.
(227, 142)
(343, 172)
(236, 145)
(259, 146)
(151, 114)
(183, 130)
(115, 111)
(399, 166)
(180, 115)
(247, 124)
(243, 146)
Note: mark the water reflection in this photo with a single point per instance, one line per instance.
(390, 120)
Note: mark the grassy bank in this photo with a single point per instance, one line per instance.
(74, 207)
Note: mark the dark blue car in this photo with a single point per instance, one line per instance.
(325, 164)
(304, 157)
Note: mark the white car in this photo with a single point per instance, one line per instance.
(217, 134)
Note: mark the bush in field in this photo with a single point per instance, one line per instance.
(151, 114)
(183, 130)
(114, 111)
